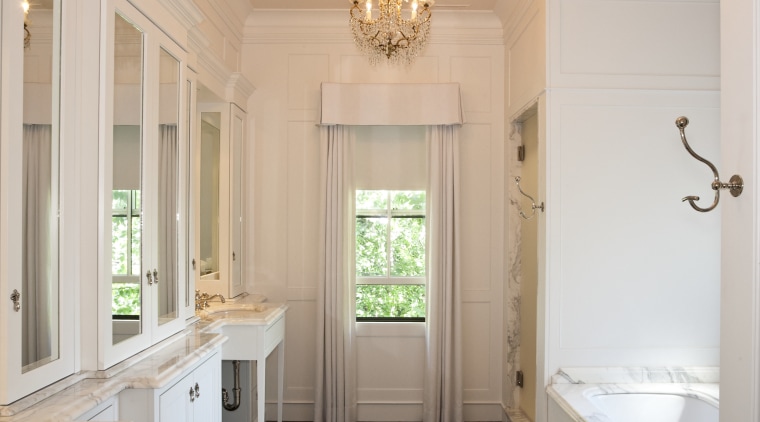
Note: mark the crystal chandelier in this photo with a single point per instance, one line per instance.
(390, 35)
(27, 34)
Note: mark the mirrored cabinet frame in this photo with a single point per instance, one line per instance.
(159, 260)
(37, 140)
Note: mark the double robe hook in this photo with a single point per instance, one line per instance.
(533, 205)
(735, 185)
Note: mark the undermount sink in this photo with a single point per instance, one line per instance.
(226, 309)
(253, 330)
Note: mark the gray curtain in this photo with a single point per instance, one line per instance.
(443, 372)
(39, 269)
(168, 179)
(335, 395)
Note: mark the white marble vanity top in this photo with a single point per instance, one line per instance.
(572, 388)
(153, 368)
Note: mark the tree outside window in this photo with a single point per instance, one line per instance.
(390, 255)
(125, 252)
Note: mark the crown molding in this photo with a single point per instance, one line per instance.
(239, 89)
(185, 11)
(320, 27)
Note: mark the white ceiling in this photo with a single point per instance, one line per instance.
(343, 4)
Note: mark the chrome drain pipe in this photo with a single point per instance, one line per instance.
(236, 390)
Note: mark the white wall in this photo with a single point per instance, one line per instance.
(286, 55)
(631, 274)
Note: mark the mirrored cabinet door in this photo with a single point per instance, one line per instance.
(144, 195)
(170, 189)
(221, 201)
(237, 134)
(36, 315)
(126, 223)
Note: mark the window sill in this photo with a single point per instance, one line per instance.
(390, 329)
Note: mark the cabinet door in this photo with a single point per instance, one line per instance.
(196, 397)
(237, 135)
(221, 185)
(208, 404)
(143, 190)
(176, 404)
(36, 271)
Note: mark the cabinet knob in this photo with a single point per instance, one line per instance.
(197, 390)
(16, 299)
(150, 278)
(192, 394)
(155, 276)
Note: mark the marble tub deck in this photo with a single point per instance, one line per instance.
(572, 388)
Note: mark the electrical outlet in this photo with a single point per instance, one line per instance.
(520, 380)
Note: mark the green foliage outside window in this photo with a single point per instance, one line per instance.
(390, 300)
(390, 244)
(125, 250)
(126, 299)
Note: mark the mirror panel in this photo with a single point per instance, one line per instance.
(209, 195)
(236, 215)
(40, 185)
(189, 248)
(166, 275)
(127, 208)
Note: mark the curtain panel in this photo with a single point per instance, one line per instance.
(335, 395)
(439, 107)
(443, 372)
(39, 228)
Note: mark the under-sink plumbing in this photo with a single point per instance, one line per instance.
(235, 390)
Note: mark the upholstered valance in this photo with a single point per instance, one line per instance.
(391, 104)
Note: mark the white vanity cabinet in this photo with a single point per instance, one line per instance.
(144, 184)
(193, 396)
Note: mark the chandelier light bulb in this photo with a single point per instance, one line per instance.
(25, 6)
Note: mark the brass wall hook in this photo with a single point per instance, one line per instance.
(735, 185)
(533, 205)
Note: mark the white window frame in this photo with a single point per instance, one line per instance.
(389, 214)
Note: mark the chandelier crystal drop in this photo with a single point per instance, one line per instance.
(397, 35)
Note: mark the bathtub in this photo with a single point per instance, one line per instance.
(673, 399)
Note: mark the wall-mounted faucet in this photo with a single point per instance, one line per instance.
(202, 299)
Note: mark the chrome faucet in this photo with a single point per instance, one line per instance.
(202, 299)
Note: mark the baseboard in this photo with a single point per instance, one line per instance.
(387, 412)
(515, 415)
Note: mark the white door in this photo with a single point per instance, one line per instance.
(740, 281)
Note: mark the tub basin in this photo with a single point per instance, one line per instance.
(654, 407)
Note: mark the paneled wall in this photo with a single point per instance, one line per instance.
(631, 272)
(286, 56)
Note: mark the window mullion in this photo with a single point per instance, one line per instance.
(388, 237)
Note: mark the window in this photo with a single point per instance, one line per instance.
(390, 255)
(125, 252)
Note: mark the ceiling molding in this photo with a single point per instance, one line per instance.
(185, 11)
(320, 27)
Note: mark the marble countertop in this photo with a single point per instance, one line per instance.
(154, 367)
(573, 388)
